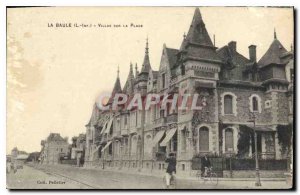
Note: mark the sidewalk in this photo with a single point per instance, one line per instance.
(185, 177)
(187, 182)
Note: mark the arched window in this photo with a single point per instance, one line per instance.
(203, 139)
(228, 140)
(228, 109)
(254, 104)
(148, 144)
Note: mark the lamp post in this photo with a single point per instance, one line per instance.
(189, 138)
(257, 176)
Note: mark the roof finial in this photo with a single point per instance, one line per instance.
(147, 46)
(136, 70)
(118, 71)
(275, 36)
(214, 40)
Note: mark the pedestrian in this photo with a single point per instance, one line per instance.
(205, 165)
(171, 169)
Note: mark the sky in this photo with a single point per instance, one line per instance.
(55, 74)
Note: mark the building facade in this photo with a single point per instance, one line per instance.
(238, 95)
(53, 149)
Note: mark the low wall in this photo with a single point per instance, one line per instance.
(251, 174)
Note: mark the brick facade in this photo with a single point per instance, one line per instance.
(254, 88)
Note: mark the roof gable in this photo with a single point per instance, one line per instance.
(273, 54)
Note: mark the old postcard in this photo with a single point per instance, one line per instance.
(150, 97)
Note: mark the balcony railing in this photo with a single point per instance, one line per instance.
(160, 121)
(172, 118)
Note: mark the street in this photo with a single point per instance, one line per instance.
(69, 177)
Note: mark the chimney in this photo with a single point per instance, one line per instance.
(232, 46)
(252, 53)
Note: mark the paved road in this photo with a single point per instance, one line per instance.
(80, 178)
(30, 178)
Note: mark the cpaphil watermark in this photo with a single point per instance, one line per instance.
(173, 102)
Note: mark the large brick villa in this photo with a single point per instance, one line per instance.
(237, 91)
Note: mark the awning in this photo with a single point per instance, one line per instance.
(103, 128)
(168, 137)
(261, 128)
(108, 125)
(108, 143)
(157, 137)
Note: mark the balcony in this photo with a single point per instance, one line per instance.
(160, 121)
(172, 118)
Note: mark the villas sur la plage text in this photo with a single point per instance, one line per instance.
(91, 25)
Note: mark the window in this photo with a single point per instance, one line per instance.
(174, 143)
(148, 142)
(163, 77)
(203, 139)
(228, 140)
(183, 140)
(182, 70)
(110, 148)
(228, 104)
(254, 104)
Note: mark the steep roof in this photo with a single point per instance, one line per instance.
(117, 89)
(273, 54)
(155, 74)
(234, 61)
(94, 116)
(55, 137)
(146, 63)
(128, 87)
(197, 45)
(197, 32)
(172, 56)
(230, 56)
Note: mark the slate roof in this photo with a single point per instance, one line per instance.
(146, 63)
(128, 87)
(54, 137)
(172, 56)
(273, 54)
(94, 116)
(197, 44)
(117, 89)
(197, 32)
(234, 61)
(155, 74)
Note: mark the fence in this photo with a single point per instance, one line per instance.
(69, 161)
(249, 164)
(221, 164)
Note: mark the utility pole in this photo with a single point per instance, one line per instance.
(257, 175)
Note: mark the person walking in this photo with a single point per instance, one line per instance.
(171, 169)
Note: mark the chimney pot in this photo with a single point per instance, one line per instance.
(252, 53)
(232, 46)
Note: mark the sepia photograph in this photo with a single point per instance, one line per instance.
(157, 98)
